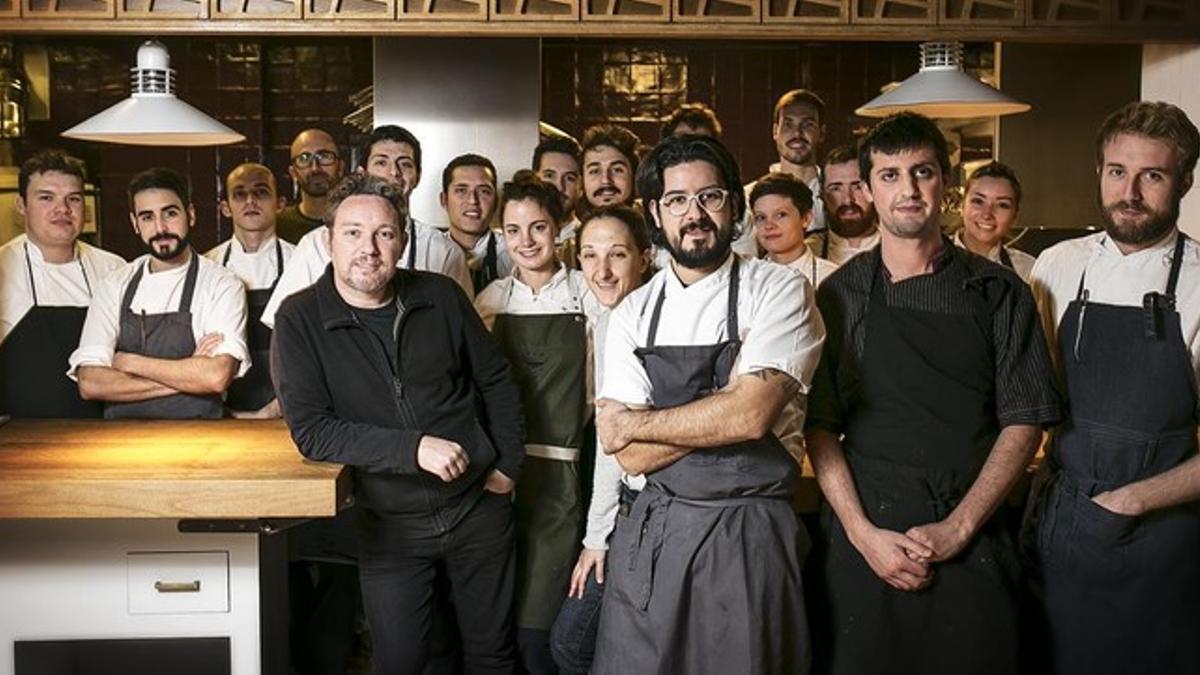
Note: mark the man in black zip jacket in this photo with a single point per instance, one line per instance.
(391, 372)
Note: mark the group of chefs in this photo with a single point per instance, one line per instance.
(578, 418)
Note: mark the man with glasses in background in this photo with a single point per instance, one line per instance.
(315, 168)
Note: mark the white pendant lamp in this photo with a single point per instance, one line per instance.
(942, 90)
(152, 115)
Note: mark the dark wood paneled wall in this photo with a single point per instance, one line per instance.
(739, 80)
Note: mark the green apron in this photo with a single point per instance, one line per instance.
(548, 354)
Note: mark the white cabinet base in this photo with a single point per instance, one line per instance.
(95, 579)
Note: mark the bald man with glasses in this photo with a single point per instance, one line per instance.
(315, 167)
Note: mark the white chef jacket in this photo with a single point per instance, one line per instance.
(218, 306)
(840, 249)
(1114, 278)
(1022, 262)
(68, 284)
(814, 268)
(257, 270)
(778, 322)
(311, 257)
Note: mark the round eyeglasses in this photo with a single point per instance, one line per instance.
(709, 199)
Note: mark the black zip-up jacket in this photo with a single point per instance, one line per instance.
(344, 403)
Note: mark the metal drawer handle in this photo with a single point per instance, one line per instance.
(177, 586)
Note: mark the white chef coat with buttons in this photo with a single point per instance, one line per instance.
(258, 269)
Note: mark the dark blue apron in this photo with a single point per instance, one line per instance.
(33, 360)
(1122, 593)
(254, 390)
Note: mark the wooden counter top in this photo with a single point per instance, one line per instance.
(206, 469)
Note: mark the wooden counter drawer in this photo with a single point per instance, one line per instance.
(178, 582)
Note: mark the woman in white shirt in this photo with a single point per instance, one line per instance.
(781, 207)
(993, 200)
(542, 316)
(614, 255)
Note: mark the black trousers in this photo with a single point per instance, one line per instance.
(400, 559)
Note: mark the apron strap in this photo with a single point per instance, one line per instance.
(1176, 263)
(33, 286)
(731, 319)
(131, 288)
(490, 267)
(228, 250)
(278, 263)
(412, 244)
(1005, 258)
(189, 284)
(825, 244)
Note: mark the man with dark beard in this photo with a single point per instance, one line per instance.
(705, 572)
(853, 226)
(928, 404)
(165, 334)
(1118, 525)
(315, 167)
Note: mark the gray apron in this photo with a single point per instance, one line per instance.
(548, 354)
(33, 360)
(1122, 593)
(704, 575)
(163, 336)
(254, 390)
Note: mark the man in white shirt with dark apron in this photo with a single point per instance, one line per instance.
(257, 256)
(1118, 511)
(164, 335)
(46, 281)
(705, 573)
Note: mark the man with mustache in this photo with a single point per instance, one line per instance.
(392, 153)
(853, 226)
(469, 197)
(46, 281)
(933, 389)
(798, 128)
(315, 167)
(705, 572)
(165, 334)
(391, 372)
(258, 258)
(1118, 528)
(610, 161)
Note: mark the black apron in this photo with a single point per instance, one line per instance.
(548, 355)
(1122, 593)
(164, 336)
(33, 360)
(921, 426)
(254, 390)
(704, 575)
(489, 267)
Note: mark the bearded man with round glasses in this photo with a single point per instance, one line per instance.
(315, 168)
(705, 571)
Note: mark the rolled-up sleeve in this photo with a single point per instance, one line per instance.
(101, 327)
(785, 331)
(226, 314)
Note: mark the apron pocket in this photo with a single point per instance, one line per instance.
(1100, 539)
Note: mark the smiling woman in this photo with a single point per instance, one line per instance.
(543, 316)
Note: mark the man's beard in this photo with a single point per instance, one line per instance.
(317, 184)
(1151, 230)
(171, 253)
(861, 224)
(699, 258)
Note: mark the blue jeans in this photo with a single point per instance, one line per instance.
(573, 636)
